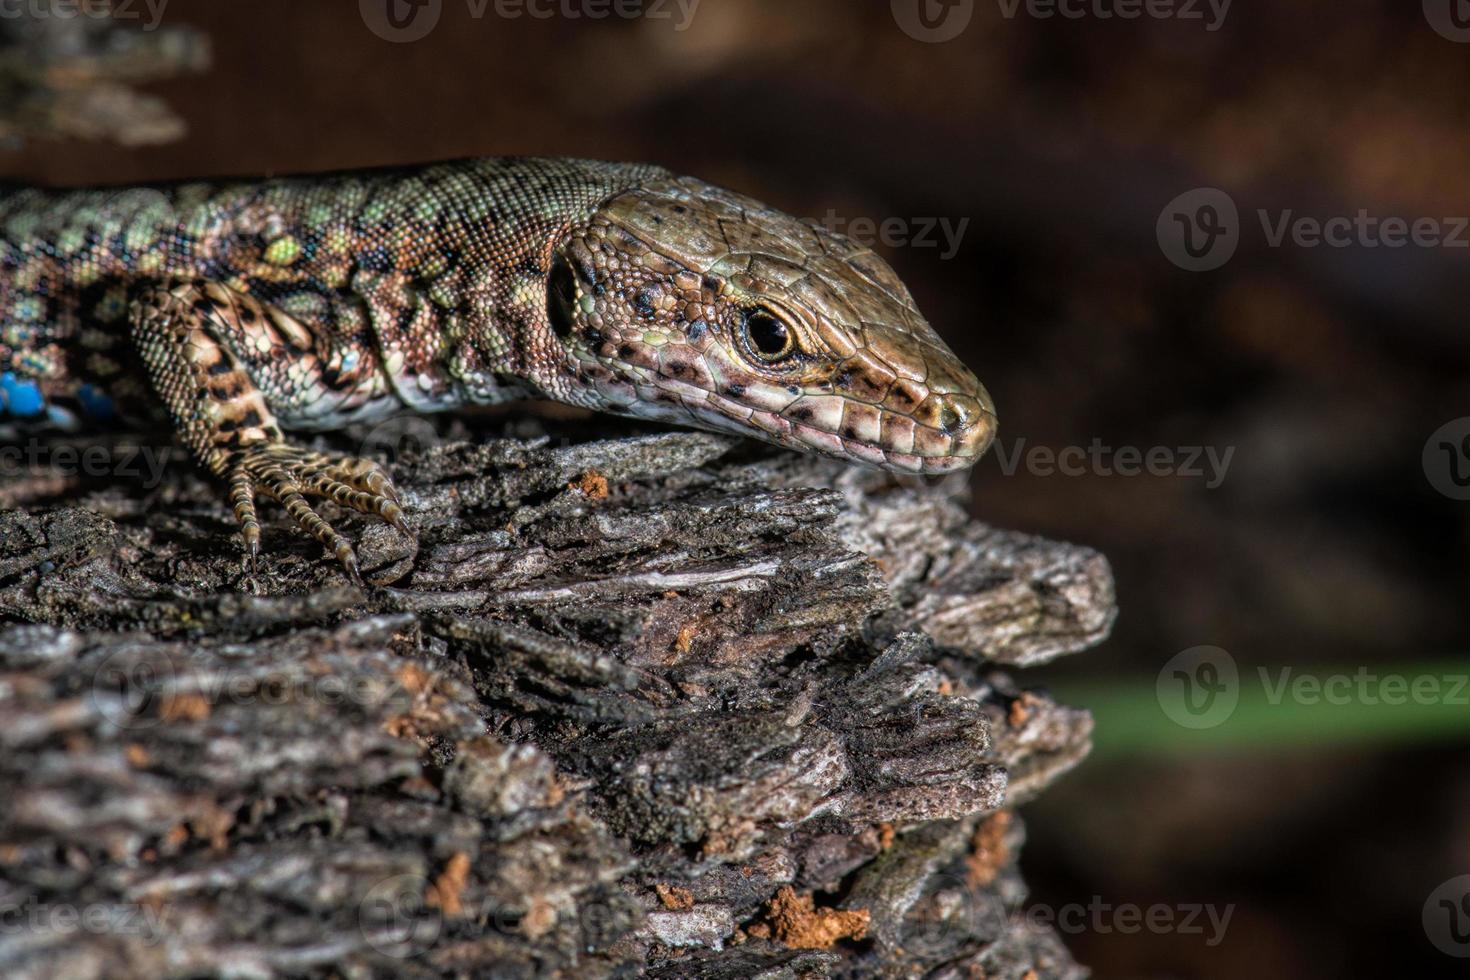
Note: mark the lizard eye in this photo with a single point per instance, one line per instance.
(766, 337)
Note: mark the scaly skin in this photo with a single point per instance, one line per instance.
(247, 309)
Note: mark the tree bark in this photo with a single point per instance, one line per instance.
(669, 703)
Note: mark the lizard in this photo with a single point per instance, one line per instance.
(246, 309)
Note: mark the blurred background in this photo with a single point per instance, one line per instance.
(1110, 218)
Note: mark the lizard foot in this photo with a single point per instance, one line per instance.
(289, 475)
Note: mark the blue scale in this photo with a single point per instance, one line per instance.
(19, 397)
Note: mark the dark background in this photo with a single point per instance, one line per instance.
(1062, 140)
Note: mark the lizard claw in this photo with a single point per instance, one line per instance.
(289, 475)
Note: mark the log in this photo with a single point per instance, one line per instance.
(663, 702)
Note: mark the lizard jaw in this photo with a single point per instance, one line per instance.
(824, 424)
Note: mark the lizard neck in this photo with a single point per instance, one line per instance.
(496, 343)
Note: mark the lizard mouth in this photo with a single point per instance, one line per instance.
(951, 438)
(946, 433)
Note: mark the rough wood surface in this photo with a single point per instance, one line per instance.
(664, 703)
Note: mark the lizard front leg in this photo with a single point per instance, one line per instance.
(199, 341)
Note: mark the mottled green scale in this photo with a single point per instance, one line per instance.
(299, 242)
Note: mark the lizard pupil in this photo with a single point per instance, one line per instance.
(769, 338)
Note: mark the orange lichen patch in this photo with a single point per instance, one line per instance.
(555, 793)
(176, 836)
(988, 851)
(886, 834)
(674, 898)
(214, 826)
(9, 854)
(1030, 975)
(723, 842)
(540, 919)
(136, 755)
(946, 687)
(797, 923)
(444, 894)
(185, 707)
(1020, 710)
(684, 640)
(592, 484)
(400, 726)
(415, 679)
(425, 717)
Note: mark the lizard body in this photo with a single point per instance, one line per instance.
(244, 309)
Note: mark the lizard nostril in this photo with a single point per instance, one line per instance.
(954, 416)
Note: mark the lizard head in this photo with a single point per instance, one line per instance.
(683, 302)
